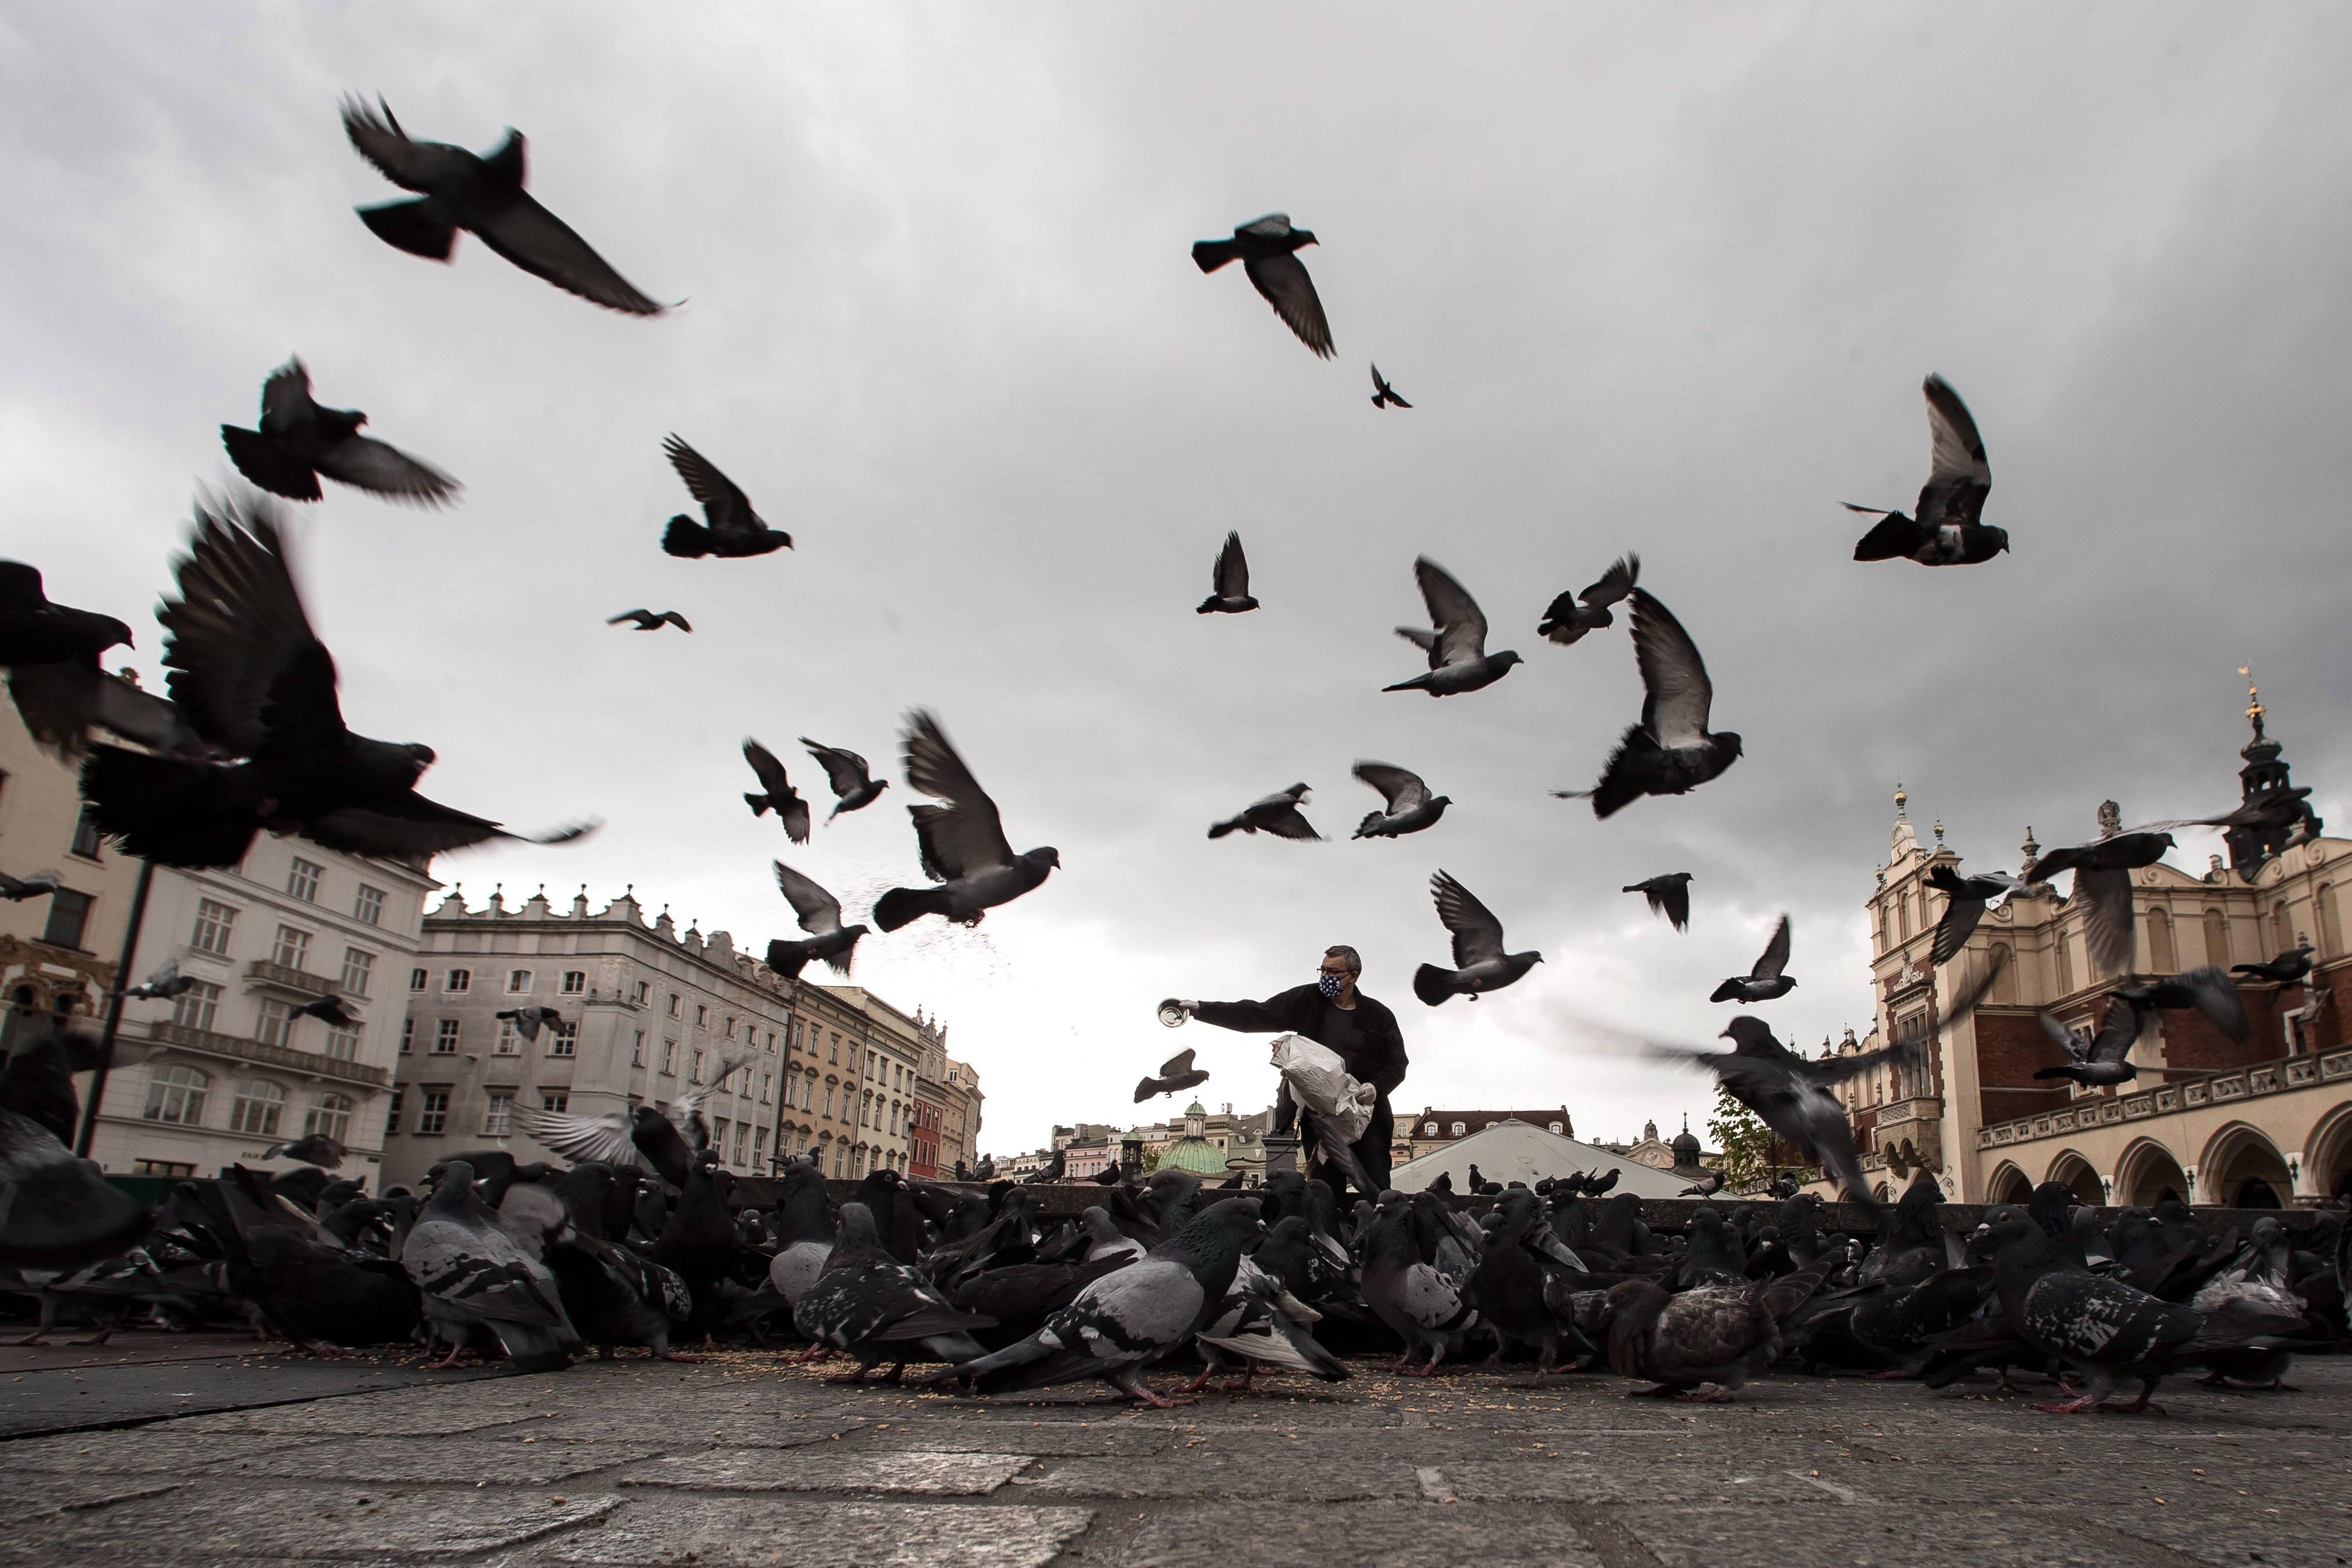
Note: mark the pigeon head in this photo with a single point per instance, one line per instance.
(1049, 856)
(1304, 236)
(857, 1229)
(2000, 534)
(1727, 742)
(1505, 659)
(117, 634)
(420, 754)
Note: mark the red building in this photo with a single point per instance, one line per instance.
(923, 1139)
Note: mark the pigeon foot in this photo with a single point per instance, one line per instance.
(678, 1355)
(2134, 1408)
(1199, 1383)
(1241, 1384)
(1712, 1396)
(1144, 1397)
(2083, 1406)
(813, 1353)
(449, 1366)
(33, 1338)
(1892, 1375)
(1662, 1390)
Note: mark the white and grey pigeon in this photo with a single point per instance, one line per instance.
(878, 1309)
(1277, 813)
(1268, 1328)
(1420, 1304)
(1967, 899)
(961, 840)
(1105, 1240)
(1566, 620)
(820, 916)
(40, 885)
(2095, 1060)
(1410, 806)
(854, 786)
(1456, 642)
(1766, 980)
(473, 1275)
(805, 1232)
(1480, 965)
(528, 1021)
(161, 985)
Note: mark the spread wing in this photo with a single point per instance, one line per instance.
(386, 471)
(1177, 1065)
(1232, 569)
(1285, 820)
(844, 770)
(1962, 910)
(683, 1111)
(2064, 1038)
(1400, 790)
(286, 397)
(1838, 1068)
(545, 246)
(582, 1139)
(236, 626)
(1461, 628)
(1615, 583)
(2107, 897)
(820, 912)
(1776, 954)
(1477, 934)
(1959, 477)
(964, 835)
(2117, 1033)
(409, 824)
(771, 772)
(1283, 280)
(724, 505)
(1677, 696)
(378, 138)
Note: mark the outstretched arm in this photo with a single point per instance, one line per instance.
(1271, 1016)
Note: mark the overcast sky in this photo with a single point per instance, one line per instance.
(1661, 279)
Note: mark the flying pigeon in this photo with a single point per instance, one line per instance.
(1792, 1094)
(51, 651)
(315, 1149)
(474, 1275)
(2207, 989)
(1668, 895)
(1765, 981)
(299, 440)
(2103, 1059)
(962, 843)
(1277, 813)
(2103, 870)
(779, 794)
(1480, 963)
(459, 190)
(40, 885)
(161, 985)
(820, 916)
(1566, 620)
(852, 783)
(1671, 751)
(1383, 394)
(2285, 970)
(1721, 1334)
(731, 530)
(329, 1010)
(664, 1140)
(1410, 806)
(1229, 592)
(1456, 646)
(1266, 249)
(1967, 899)
(253, 679)
(1945, 532)
(1176, 1075)
(650, 621)
(528, 1022)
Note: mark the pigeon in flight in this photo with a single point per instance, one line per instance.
(664, 1141)
(820, 916)
(779, 794)
(854, 786)
(2095, 1060)
(1792, 1094)
(458, 190)
(650, 620)
(40, 885)
(1383, 394)
(1456, 646)
(1671, 751)
(1410, 806)
(2206, 988)
(731, 528)
(1277, 813)
(299, 440)
(2103, 870)
(1229, 583)
(1945, 532)
(1566, 620)
(1480, 965)
(1669, 895)
(1967, 900)
(2285, 970)
(1266, 250)
(317, 1149)
(1765, 981)
(161, 985)
(528, 1021)
(1176, 1075)
(962, 841)
(329, 1010)
(252, 678)
(51, 654)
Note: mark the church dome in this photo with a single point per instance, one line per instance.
(1686, 1147)
(1197, 1155)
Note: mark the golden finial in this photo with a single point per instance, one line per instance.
(2254, 709)
(1902, 798)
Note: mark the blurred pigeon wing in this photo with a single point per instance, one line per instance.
(1477, 934)
(380, 140)
(236, 623)
(819, 911)
(545, 246)
(1615, 583)
(386, 471)
(964, 835)
(682, 1111)
(1677, 696)
(2118, 1032)
(580, 1139)
(1461, 626)
(2064, 1038)
(1400, 790)
(1177, 1065)
(1776, 954)
(844, 770)
(2107, 916)
(1958, 477)
(773, 780)
(1232, 569)
(1283, 280)
(412, 825)
(726, 507)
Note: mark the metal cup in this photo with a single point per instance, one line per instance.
(1172, 1014)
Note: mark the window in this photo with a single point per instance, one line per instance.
(194, 1008)
(215, 925)
(701, 1017)
(1457, 1129)
(575, 981)
(518, 982)
(506, 1046)
(836, 1058)
(638, 1051)
(433, 1113)
(358, 970)
(694, 1073)
(2159, 941)
(2217, 938)
(742, 1139)
(772, 1042)
(767, 1085)
(391, 1115)
(1430, 1130)
(758, 1148)
(498, 1116)
(645, 993)
(302, 878)
(292, 949)
(731, 1028)
(257, 1108)
(669, 1058)
(408, 1036)
(85, 839)
(69, 914)
(176, 1094)
(674, 1001)
(554, 1099)
(563, 1039)
(444, 1037)
(459, 980)
(416, 979)
(344, 1041)
(828, 1099)
(1556, 1127)
(368, 907)
(174, 1168)
(272, 1023)
(330, 1115)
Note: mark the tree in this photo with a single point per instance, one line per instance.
(1752, 1154)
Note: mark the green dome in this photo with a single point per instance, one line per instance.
(1198, 1155)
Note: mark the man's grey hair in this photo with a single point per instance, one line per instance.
(1355, 960)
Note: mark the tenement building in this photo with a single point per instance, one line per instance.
(2262, 1122)
(1434, 1130)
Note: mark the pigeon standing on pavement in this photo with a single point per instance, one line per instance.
(1945, 532)
(2103, 870)
(474, 1275)
(56, 1211)
(1229, 592)
(1456, 642)
(730, 529)
(1671, 751)
(805, 1232)
(777, 793)
(1720, 1334)
(1410, 806)
(853, 784)
(962, 841)
(1383, 394)
(1420, 1306)
(1266, 1327)
(1668, 895)
(1266, 249)
(1568, 620)
(1176, 1075)
(1480, 965)
(1965, 901)
(51, 653)
(1277, 813)
(1765, 981)
(650, 620)
(299, 440)
(878, 1309)
(613, 1294)
(820, 916)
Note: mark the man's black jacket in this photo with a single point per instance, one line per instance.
(1376, 1057)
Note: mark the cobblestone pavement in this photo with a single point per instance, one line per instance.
(747, 1460)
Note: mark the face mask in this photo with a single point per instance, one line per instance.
(1329, 985)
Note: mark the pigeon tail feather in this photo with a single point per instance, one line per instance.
(902, 904)
(1432, 984)
(269, 465)
(1208, 254)
(686, 538)
(410, 227)
(1894, 537)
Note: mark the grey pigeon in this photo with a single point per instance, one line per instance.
(299, 440)
(2103, 870)
(40, 885)
(730, 529)
(2206, 988)
(1568, 620)
(777, 794)
(473, 1275)
(1229, 592)
(1766, 980)
(1671, 751)
(1410, 806)
(1668, 895)
(650, 620)
(878, 1309)
(1176, 1075)
(1128, 1319)
(1945, 532)
(1480, 965)
(51, 653)
(1965, 901)
(56, 1211)
(333, 1012)
(1791, 1092)
(1720, 1334)
(805, 1232)
(528, 1021)
(962, 841)
(853, 784)
(664, 1141)
(820, 916)
(2257, 1284)
(1383, 394)
(1706, 1186)
(161, 985)
(313, 1149)
(1266, 1327)
(2103, 1059)
(1456, 642)
(1105, 1240)
(1277, 813)
(612, 1294)
(1420, 1306)
(2286, 969)
(459, 190)
(1266, 249)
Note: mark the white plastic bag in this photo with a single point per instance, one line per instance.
(1320, 1082)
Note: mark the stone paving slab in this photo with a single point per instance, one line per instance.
(138, 1450)
(83, 1398)
(470, 1459)
(207, 1523)
(767, 1469)
(1410, 1536)
(767, 1533)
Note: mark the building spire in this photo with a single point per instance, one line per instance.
(1902, 799)
(2254, 709)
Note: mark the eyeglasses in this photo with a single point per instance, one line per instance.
(1335, 972)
